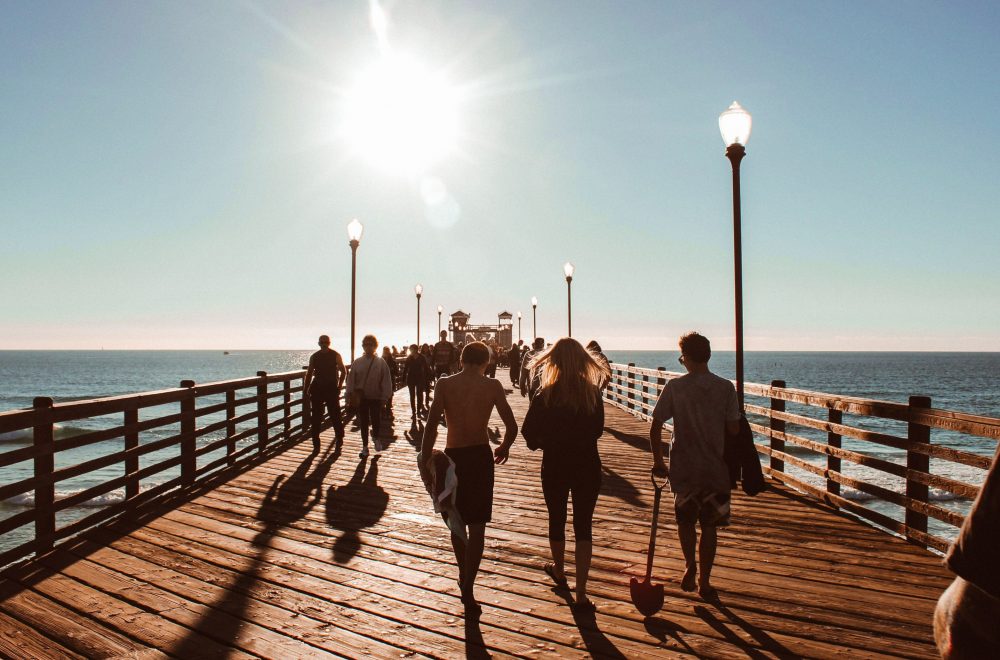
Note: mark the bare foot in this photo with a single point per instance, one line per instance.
(707, 591)
(688, 582)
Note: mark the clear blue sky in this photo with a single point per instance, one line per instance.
(172, 174)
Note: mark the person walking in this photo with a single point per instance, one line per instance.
(322, 384)
(425, 352)
(370, 384)
(444, 356)
(565, 420)
(416, 375)
(467, 400)
(705, 409)
(528, 380)
(390, 361)
(514, 357)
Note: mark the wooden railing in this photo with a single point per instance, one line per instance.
(209, 427)
(901, 429)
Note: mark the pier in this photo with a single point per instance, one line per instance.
(273, 551)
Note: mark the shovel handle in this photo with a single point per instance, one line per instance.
(653, 525)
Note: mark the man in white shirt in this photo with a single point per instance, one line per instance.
(704, 408)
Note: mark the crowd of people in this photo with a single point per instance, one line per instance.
(565, 419)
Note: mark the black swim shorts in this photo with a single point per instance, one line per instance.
(474, 472)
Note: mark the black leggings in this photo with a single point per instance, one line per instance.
(416, 396)
(584, 481)
(370, 412)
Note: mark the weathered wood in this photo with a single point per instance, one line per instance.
(188, 462)
(45, 495)
(916, 521)
(777, 426)
(230, 423)
(131, 460)
(262, 410)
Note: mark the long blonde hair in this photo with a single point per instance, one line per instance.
(570, 375)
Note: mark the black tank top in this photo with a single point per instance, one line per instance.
(324, 364)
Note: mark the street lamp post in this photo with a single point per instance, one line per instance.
(734, 124)
(419, 290)
(519, 327)
(440, 309)
(568, 268)
(354, 231)
(534, 317)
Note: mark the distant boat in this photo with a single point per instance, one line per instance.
(225, 352)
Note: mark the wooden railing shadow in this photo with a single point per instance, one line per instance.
(287, 501)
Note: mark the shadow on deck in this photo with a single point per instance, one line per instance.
(318, 554)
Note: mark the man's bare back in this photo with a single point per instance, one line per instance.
(467, 400)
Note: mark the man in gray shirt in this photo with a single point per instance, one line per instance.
(704, 409)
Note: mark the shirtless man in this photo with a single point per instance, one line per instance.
(467, 400)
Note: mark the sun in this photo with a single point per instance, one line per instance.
(401, 117)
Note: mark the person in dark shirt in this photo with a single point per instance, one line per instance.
(323, 382)
(514, 362)
(416, 375)
(967, 613)
(565, 420)
(390, 360)
(528, 380)
(444, 356)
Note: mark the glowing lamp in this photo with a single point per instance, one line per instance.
(355, 230)
(568, 268)
(734, 124)
(419, 290)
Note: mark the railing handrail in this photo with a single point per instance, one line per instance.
(636, 389)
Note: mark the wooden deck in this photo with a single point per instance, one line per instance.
(306, 556)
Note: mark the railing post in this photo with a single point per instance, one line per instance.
(661, 381)
(45, 488)
(262, 411)
(188, 462)
(131, 461)
(287, 397)
(644, 400)
(919, 463)
(777, 425)
(230, 424)
(833, 440)
(630, 376)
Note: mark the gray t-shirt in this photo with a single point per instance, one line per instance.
(700, 405)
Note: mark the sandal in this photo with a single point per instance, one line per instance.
(550, 570)
(583, 607)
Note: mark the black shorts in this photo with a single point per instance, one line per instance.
(474, 471)
(707, 508)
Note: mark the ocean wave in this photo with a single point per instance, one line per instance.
(934, 495)
(107, 499)
(26, 436)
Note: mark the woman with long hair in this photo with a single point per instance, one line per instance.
(565, 420)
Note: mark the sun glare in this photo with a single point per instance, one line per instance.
(401, 117)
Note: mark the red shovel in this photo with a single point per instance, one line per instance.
(648, 597)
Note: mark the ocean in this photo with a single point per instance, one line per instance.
(967, 382)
